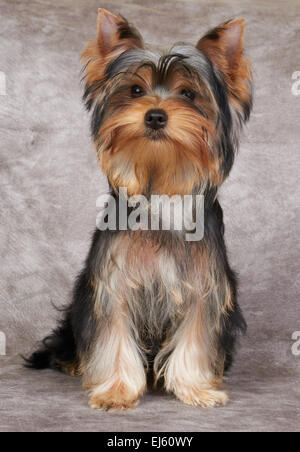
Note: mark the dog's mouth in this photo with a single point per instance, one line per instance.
(155, 135)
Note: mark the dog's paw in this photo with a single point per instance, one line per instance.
(105, 404)
(117, 398)
(202, 397)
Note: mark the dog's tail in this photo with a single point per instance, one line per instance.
(57, 351)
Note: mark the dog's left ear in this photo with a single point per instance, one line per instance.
(223, 46)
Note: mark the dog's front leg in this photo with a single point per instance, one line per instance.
(113, 369)
(186, 362)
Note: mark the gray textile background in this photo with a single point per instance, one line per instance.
(49, 182)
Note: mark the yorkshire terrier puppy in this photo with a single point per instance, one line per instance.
(164, 123)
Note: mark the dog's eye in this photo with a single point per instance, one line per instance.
(189, 94)
(137, 91)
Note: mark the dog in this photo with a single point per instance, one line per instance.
(150, 302)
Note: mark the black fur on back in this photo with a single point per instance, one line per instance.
(233, 324)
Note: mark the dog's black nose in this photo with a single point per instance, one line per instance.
(156, 119)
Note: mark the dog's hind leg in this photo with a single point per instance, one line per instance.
(58, 350)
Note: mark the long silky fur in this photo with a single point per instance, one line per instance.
(149, 299)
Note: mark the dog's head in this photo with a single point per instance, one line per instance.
(166, 122)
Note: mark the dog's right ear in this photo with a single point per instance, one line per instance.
(115, 36)
(107, 30)
(115, 33)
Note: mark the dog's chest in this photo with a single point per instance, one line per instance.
(140, 257)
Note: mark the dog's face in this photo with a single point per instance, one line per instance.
(168, 122)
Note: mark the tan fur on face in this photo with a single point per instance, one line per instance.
(189, 158)
(174, 165)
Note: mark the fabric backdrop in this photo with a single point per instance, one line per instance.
(50, 180)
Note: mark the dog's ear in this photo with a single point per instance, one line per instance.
(115, 36)
(223, 46)
(107, 30)
(115, 32)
